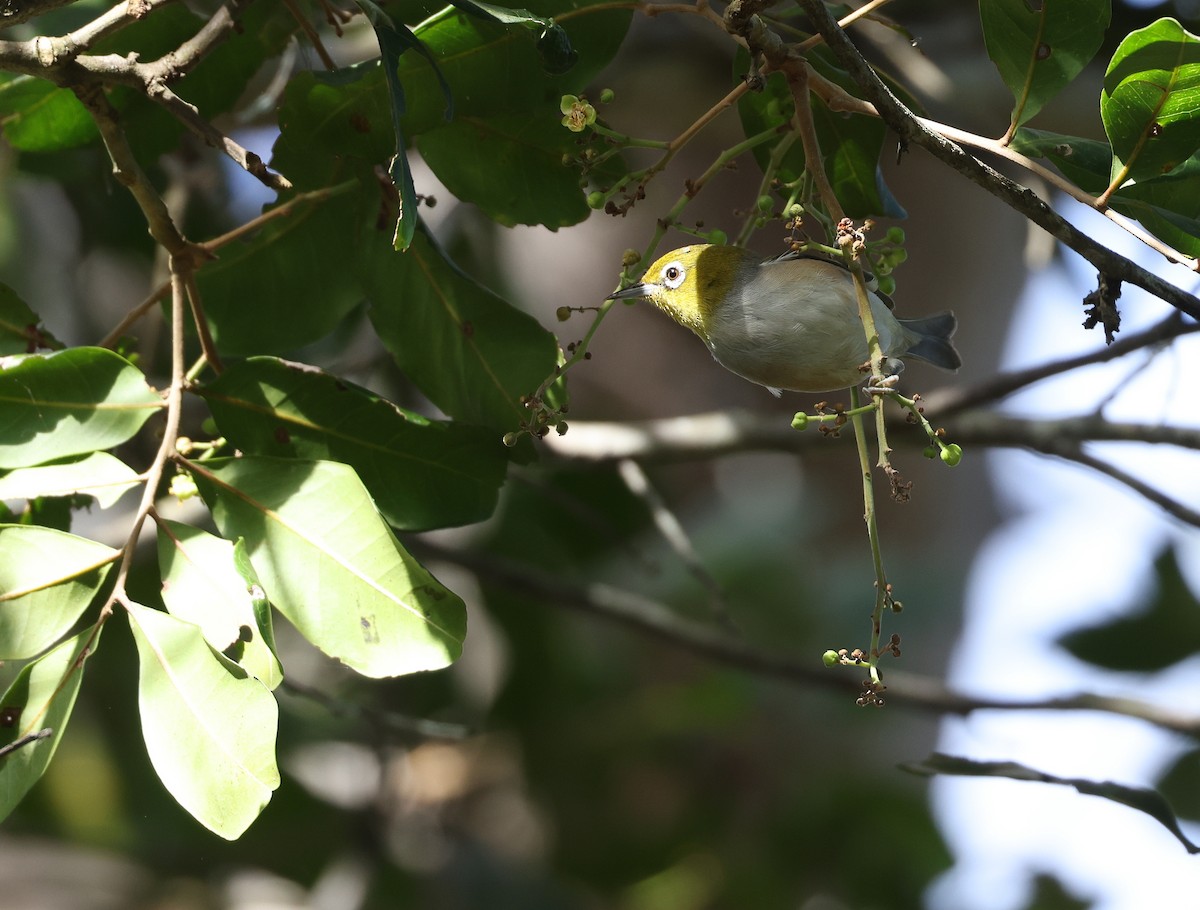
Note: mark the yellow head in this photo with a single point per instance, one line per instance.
(690, 284)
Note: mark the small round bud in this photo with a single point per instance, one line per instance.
(800, 421)
(510, 439)
(607, 96)
(895, 235)
(563, 313)
(795, 210)
(930, 451)
(887, 284)
(718, 237)
(830, 658)
(561, 428)
(595, 200)
(765, 204)
(183, 445)
(952, 454)
(899, 256)
(630, 258)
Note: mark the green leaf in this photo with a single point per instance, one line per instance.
(1159, 635)
(332, 566)
(47, 580)
(201, 584)
(294, 276)
(68, 403)
(1144, 800)
(1150, 101)
(510, 166)
(470, 352)
(1040, 47)
(21, 331)
(422, 474)
(209, 728)
(40, 117)
(1085, 162)
(40, 698)
(99, 475)
(851, 144)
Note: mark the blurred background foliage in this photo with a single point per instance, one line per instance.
(565, 762)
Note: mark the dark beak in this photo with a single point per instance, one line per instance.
(636, 290)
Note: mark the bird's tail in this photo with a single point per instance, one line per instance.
(932, 344)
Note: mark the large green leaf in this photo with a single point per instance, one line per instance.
(100, 475)
(332, 566)
(40, 698)
(1151, 100)
(202, 585)
(469, 351)
(209, 728)
(47, 580)
(422, 474)
(511, 166)
(1039, 48)
(289, 285)
(68, 403)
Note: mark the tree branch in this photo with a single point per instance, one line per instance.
(658, 621)
(1022, 199)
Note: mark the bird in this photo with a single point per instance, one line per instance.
(790, 322)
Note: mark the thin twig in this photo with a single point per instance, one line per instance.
(25, 741)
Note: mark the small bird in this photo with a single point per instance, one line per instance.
(786, 323)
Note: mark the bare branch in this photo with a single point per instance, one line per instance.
(658, 621)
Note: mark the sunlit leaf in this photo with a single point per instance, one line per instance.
(100, 475)
(202, 585)
(422, 474)
(47, 580)
(40, 698)
(1150, 98)
(69, 402)
(209, 727)
(332, 566)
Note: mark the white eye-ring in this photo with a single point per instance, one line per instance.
(673, 275)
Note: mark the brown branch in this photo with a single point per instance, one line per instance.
(658, 621)
(1168, 504)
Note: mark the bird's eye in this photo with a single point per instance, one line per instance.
(673, 275)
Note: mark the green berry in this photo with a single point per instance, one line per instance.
(510, 439)
(595, 200)
(830, 658)
(800, 421)
(719, 237)
(630, 258)
(952, 454)
(887, 284)
(895, 235)
(607, 96)
(765, 204)
(563, 313)
(930, 451)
